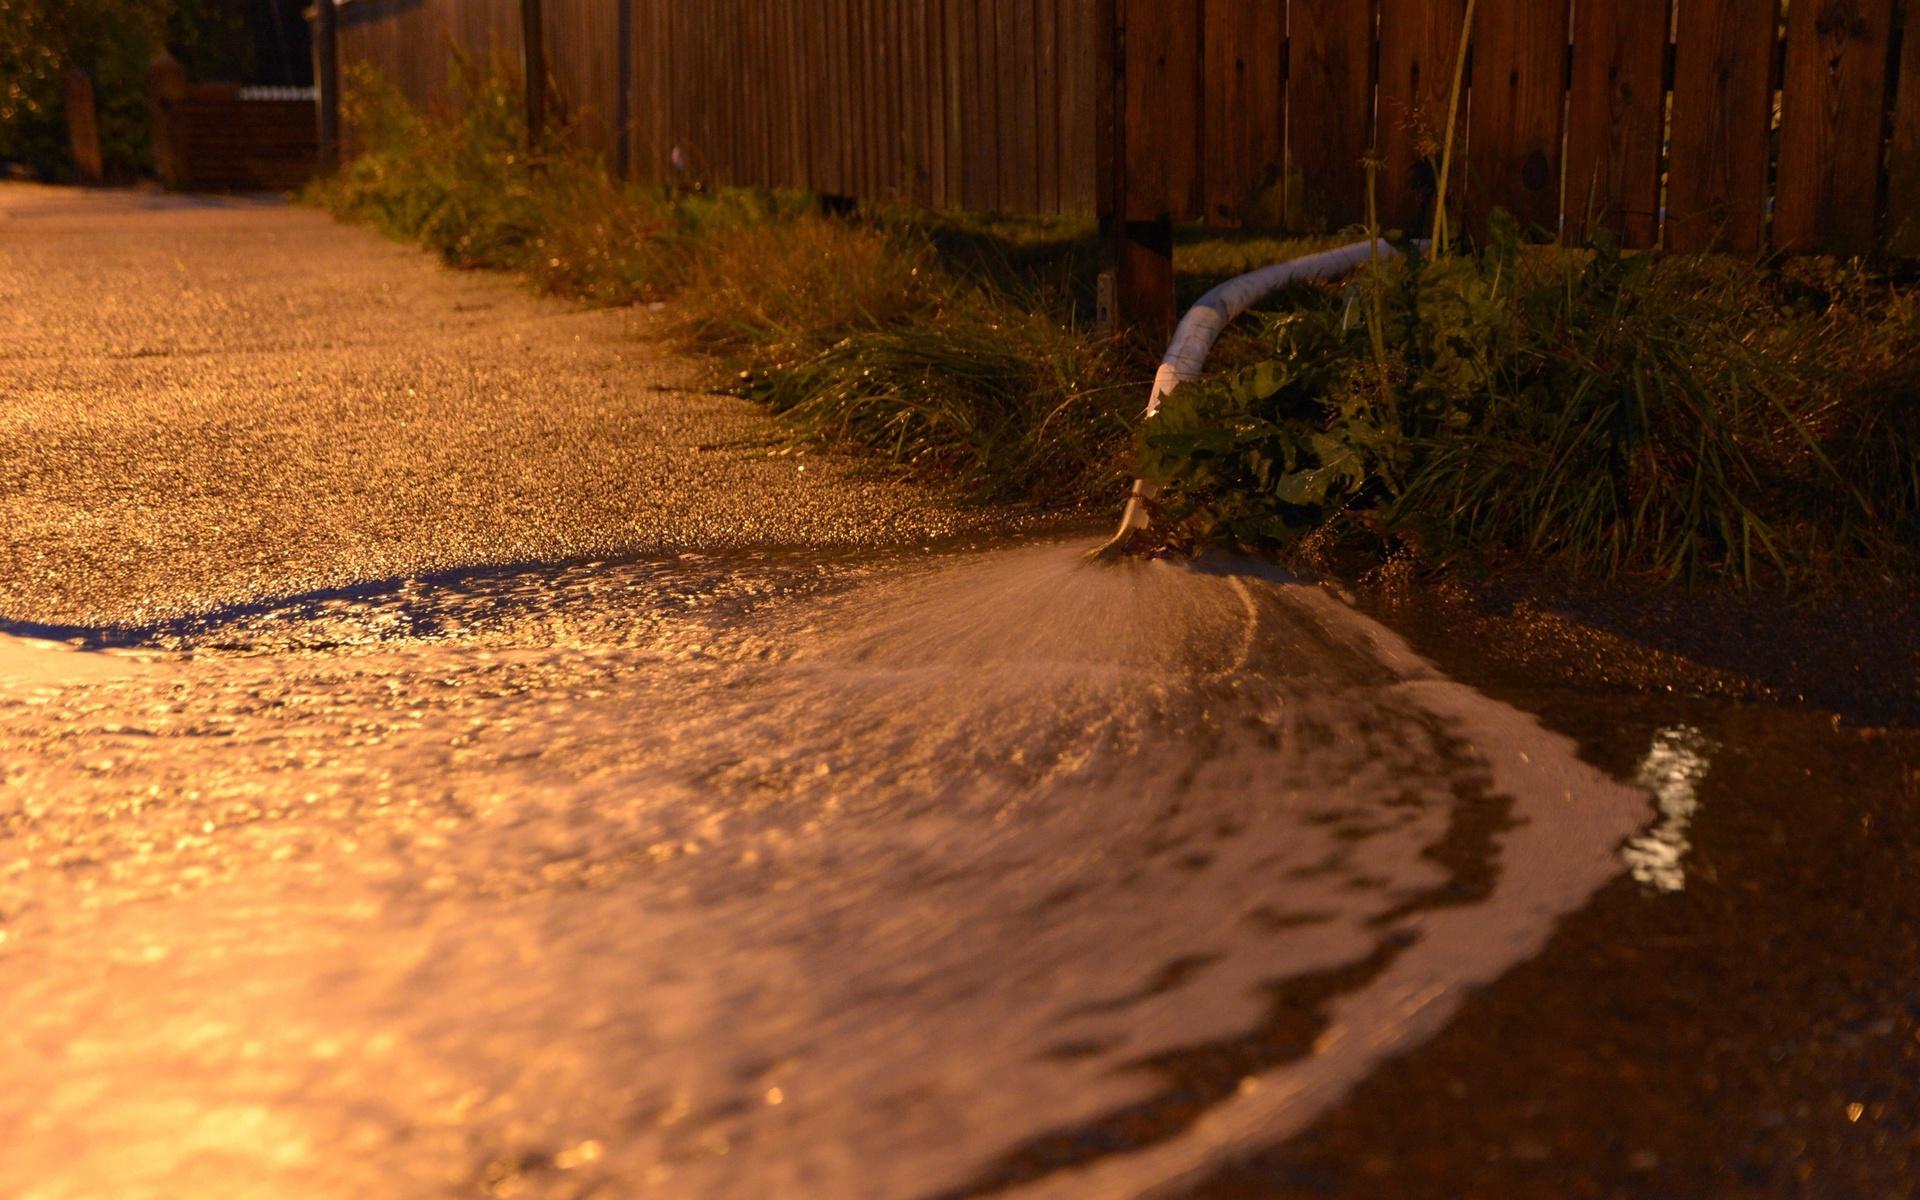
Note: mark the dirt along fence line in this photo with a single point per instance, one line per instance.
(1744, 125)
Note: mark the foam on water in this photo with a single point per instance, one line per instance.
(761, 876)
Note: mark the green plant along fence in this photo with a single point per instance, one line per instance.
(1743, 124)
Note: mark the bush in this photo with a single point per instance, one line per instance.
(1012, 404)
(1605, 411)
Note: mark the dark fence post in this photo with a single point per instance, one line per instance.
(326, 78)
(1155, 77)
(167, 86)
(83, 128)
(533, 64)
(623, 85)
(1903, 155)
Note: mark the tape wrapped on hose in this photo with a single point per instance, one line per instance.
(1193, 340)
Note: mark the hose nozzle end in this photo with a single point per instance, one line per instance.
(1134, 523)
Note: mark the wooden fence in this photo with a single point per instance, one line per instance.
(982, 104)
(1742, 124)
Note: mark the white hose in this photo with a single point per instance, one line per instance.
(1193, 340)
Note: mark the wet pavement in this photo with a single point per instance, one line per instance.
(508, 789)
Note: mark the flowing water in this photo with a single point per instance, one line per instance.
(971, 872)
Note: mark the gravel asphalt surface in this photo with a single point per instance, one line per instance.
(208, 402)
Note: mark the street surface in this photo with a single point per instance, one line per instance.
(443, 753)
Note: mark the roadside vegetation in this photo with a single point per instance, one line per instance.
(1588, 410)
(1609, 413)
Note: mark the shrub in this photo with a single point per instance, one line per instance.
(1609, 412)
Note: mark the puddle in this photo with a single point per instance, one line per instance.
(761, 875)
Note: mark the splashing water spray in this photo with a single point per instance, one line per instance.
(1201, 328)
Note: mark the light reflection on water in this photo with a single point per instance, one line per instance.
(1675, 764)
(430, 888)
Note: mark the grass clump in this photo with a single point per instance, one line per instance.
(1007, 402)
(1611, 413)
(869, 334)
(464, 183)
(887, 333)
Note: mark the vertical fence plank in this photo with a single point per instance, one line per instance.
(1329, 106)
(638, 83)
(782, 125)
(683, 136)
(1079, 87)
(920, 88)
(808, 87)
(1013, 31)
(844, 100)
(622, 92)
(1903, 154)
(740, 25)
(1159, 164)
(1046, 87)
(1418, 42)
(953, 50)
(708, 102)
(1243, 101)
(1225, 125)
(1106, 31)
(810, 94)
(837, 100)
(908, 83)
(1519, 92)
(771, 113)
(751, 112)
(909, 89)
(1722, 96)
(1832, 106)
(931, 89)
(533, 63)
(648, 99)
(982, 132)
(910, 36)
(867, 102)
(892, 144)
(1163, 68)
(732, 44)
(1615, 120)
(326, 50)
(917, 91)
(875, 178)
(899, 132)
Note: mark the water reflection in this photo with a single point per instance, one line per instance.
(752, 877)
(1675, 764)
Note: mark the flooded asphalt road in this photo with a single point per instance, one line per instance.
(399, 803)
